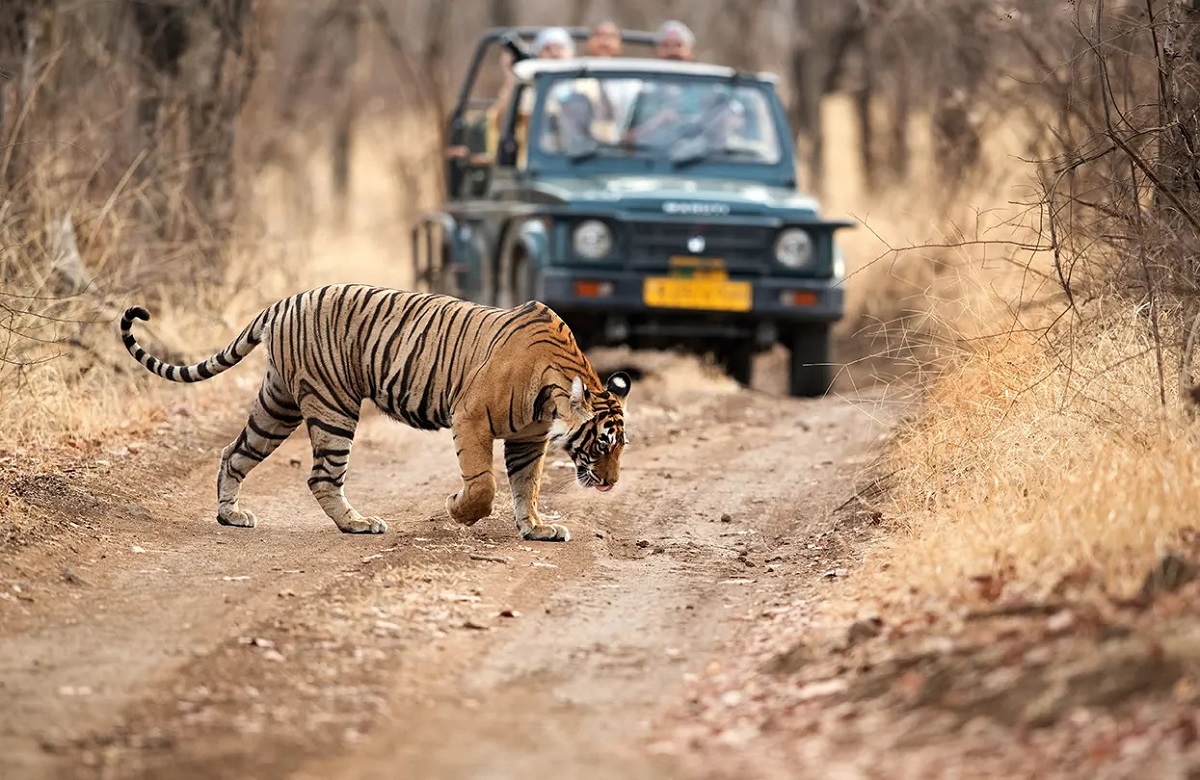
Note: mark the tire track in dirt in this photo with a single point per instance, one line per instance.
(387, 656)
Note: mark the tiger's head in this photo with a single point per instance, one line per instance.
(592, 431)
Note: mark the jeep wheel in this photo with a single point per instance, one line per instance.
(809, 371)
(523, 280)
(738, 363)
(440, 281)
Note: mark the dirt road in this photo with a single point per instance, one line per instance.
(141, 639)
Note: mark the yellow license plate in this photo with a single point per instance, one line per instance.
(713, 294)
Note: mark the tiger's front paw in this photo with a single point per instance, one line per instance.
(357, 524)
(464, 513)
(547, 532)
(233, 516)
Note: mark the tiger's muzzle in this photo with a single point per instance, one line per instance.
(588, 478)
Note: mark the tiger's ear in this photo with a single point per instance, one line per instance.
(618, 384)
(580, 397)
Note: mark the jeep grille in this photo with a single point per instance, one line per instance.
(743, 248)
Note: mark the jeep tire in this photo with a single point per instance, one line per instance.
(809, 372)
(737, 362)
(523, 281)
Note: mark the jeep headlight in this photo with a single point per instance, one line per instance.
(592, 240)
(794, 248)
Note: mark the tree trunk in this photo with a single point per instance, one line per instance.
(742, 17)
(805, 113)
(501, 13)
(344, 38)
(1178, 171)
(580, 10)
(631, 13)
(899, 150)
(436, 61)
(21, 31)
(863, 98)
(957, 144)
(163, 39)
(201, 59)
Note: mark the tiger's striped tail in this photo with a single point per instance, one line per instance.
(239, 348)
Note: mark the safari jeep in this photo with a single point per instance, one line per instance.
(669, 219)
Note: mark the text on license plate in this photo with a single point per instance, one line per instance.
(714, 294)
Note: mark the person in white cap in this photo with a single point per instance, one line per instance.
(553, 43)
(674, 41)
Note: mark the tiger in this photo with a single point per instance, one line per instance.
(428, 361)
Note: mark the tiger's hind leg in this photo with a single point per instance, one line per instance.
(332, 434)
(523, 460)
(474, 501)
(273, 418)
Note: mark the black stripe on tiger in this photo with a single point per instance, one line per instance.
(519, 456)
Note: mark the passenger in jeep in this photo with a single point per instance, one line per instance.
(674, 41)
(659, 107)
(573, 128)
(552, 43)
(663, 111)
(604, 39)
(612, 98)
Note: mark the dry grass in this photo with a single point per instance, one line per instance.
(1023, 465)
(1042, 448)
(930, 264)
(66, 396)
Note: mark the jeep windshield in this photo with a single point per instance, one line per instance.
(672, 120)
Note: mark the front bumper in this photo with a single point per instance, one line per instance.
(622, 313)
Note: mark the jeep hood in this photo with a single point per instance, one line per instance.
(676, 196)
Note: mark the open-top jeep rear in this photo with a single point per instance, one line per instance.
(650, 203)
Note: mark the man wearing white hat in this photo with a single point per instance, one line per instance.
(674, 41)
(552, 43)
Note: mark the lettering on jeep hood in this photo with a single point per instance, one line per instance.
(700, 209)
